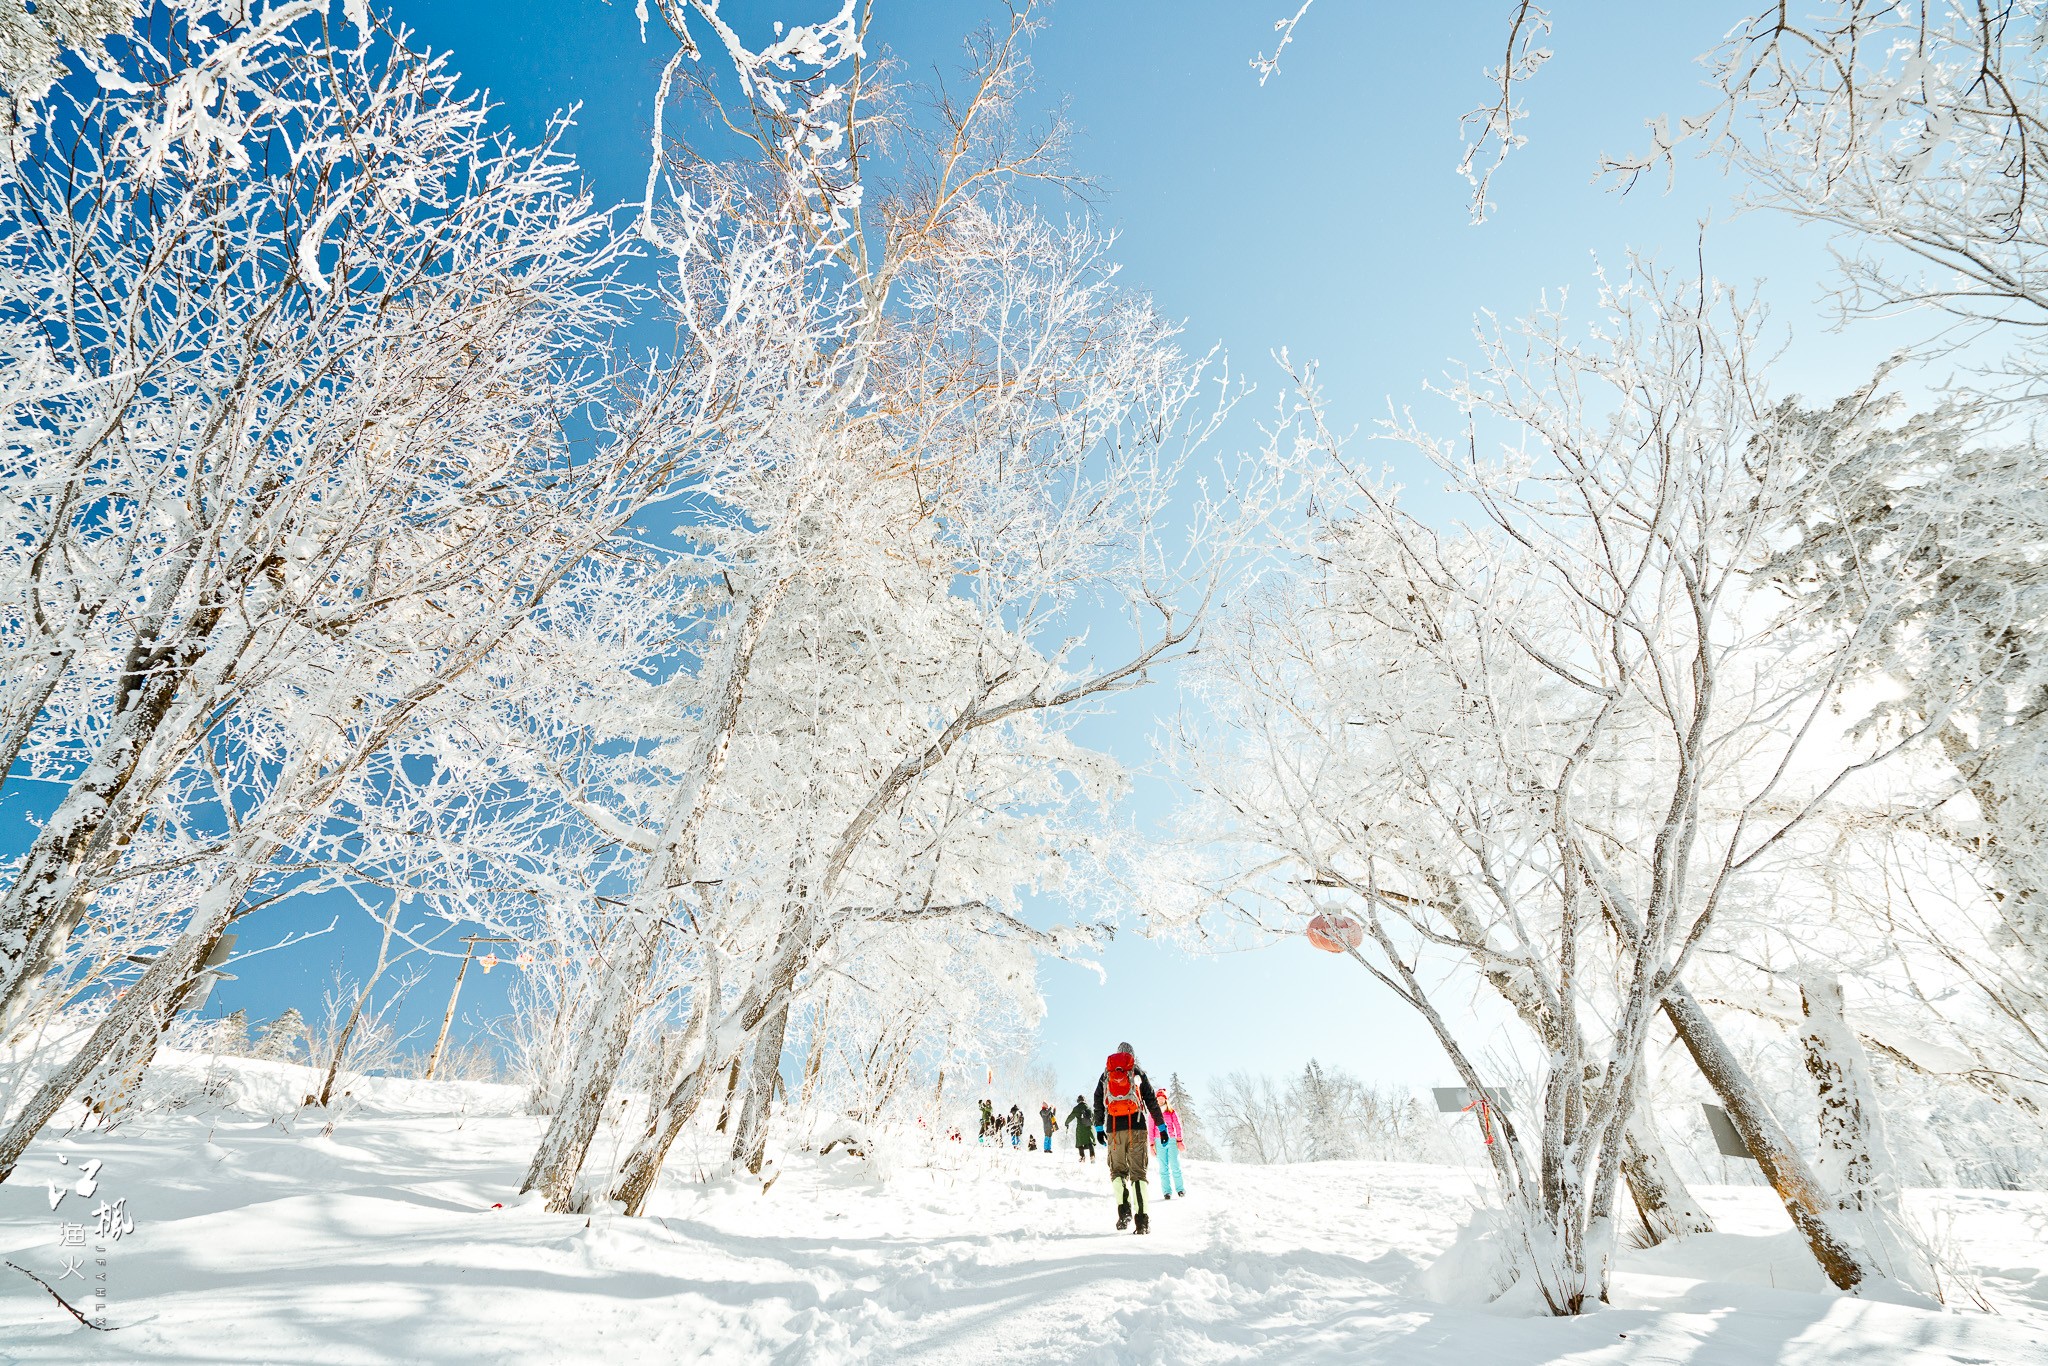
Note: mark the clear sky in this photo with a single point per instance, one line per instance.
(1320, 213)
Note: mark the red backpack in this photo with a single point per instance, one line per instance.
(1120, 1087)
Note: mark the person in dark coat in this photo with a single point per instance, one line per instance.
(1016, 1127)
(1082, 1120)
(1123, 1097)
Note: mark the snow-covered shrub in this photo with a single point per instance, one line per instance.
(355, 1037)
(1479, 1266)
(282, 1039)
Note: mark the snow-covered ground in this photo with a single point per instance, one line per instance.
(258, 1240)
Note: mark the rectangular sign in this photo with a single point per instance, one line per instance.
(1451, 1100)
(1726, 1139)
(208, 974)
(222, 947)
(195, 999)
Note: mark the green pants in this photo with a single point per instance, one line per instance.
(1129, 1154)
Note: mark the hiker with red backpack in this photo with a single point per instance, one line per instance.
(1123, 1097)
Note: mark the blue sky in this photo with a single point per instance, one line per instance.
(1320, 213)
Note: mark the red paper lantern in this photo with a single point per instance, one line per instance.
(1335, 932)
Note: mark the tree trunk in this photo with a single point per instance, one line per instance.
(355, 1015)
(120, 1079)
(146, 1007)
(326, 1095)
(732, 1086)
(559, 1159)
(643, 1164)
(117, 1084)
(1853, 1167)
(49, 892)
(767, 992)
(142, 1008)
(1846, 1166)
(1524, 1184)
(1668, 1208)
(750, 1137)
(1813, 1214)
(814, 1060)
(1662, 1199)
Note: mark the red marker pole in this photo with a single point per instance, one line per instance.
(1485, 1118)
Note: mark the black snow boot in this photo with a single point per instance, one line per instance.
(1144, 1223)
(1166, 1196)
(1123, 1217)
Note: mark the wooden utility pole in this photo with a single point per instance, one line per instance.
(472, 940)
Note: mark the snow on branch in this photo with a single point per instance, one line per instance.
(1267, 66)
(1488, 131)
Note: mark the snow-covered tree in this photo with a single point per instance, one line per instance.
(1254, 1120)
(1917, 131)
(1194, 1126)
(333, 421)
(1318, 1102)
(1559, 748)
(986, 440)
(231, 1036)
(1937, 517)
(1321, 1114)
(282, 1037)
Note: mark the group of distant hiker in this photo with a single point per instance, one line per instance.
(1129, 1118)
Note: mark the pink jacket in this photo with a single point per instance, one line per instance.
(1172, 1125)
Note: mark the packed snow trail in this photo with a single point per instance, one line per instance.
(257, 1240)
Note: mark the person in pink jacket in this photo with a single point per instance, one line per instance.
(1167, 1136)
